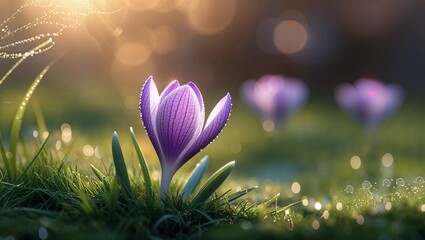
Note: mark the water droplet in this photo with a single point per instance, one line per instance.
(349, 189)
(415, 190)
(400, 182)
(419, 180)
(386, 183)
(366, 185)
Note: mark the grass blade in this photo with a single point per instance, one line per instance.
(285, 208)
(98, 173)
(3, 155)
(195, 178)
(239, 194)
(143, 164)
(25, 56)
(40, 150)
(17, 122)
(213, 183)
(120, 167)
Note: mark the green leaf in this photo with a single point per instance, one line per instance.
(97, 172)
(195, 178)
(213, 183)
(17, 122)
(143, 164)
(120, 167)
(239, 194)
(25, 56)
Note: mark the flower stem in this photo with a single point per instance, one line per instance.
(166, 176)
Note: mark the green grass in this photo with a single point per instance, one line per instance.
(60, 193)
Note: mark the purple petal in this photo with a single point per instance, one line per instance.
(346, 97)
(289, 99)
(215, 123)
(394, 100)
(173, 85)
(149, 100)
(198, 95)
(369, 101)
(177, 121)
(247, 93)
(201, 110)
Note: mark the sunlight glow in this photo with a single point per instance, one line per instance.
(44, 20)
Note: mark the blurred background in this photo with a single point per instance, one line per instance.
(219, 45)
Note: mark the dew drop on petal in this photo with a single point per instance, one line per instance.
(386, 183)
(400, 182)
(349, 189)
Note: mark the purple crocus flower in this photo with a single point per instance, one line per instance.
(274, 97)
(369, 101)
(174, 122)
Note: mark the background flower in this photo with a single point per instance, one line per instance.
(369, 101)
(274, 97)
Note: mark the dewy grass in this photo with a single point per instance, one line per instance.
(17, 122)
(59, 196)
(44, 187)
(53, 197)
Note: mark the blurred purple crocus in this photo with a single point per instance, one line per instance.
(174, 122)
(369, 101)
(274, 97)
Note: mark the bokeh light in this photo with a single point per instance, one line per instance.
(166, 38)
(295, 187)
(156, 5)
(207, 17)
(355, 162)
(290, 36)
(133, 53)
(387, 160)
